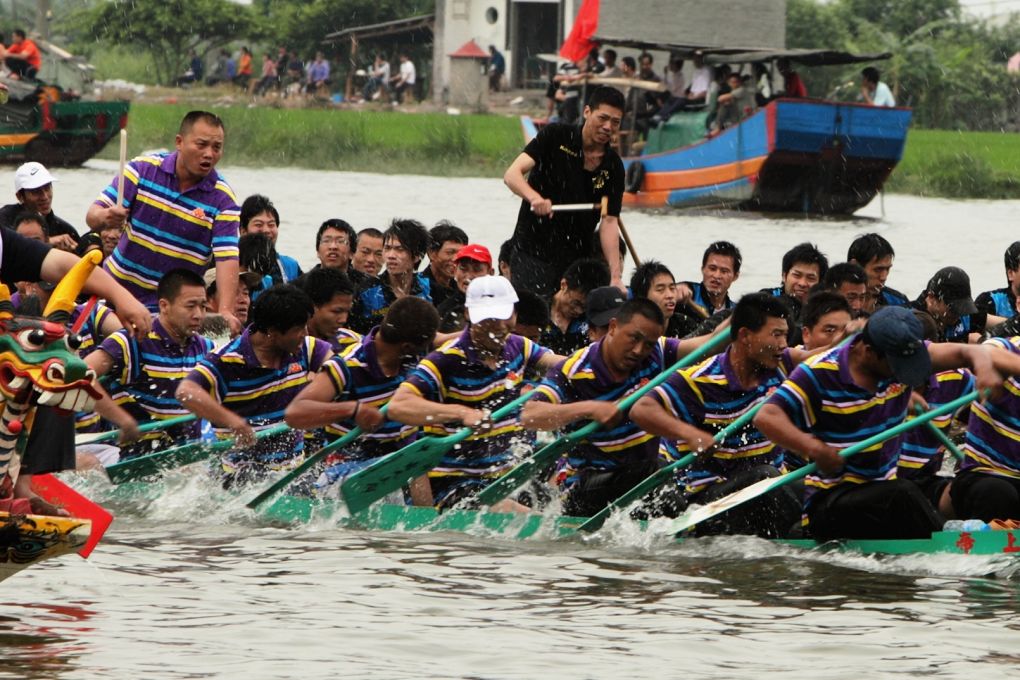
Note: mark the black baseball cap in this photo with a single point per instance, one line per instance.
(603, 304)
(952, 286)
(899, 336)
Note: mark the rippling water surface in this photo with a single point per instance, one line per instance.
(189, 585)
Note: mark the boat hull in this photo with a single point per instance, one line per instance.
(791, 156)
(383, 517)
(26, 540)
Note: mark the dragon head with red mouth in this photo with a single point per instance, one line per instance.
(38, 360)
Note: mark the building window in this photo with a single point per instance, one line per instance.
(492, 15)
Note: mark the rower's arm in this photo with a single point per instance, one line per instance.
(649, 414)
(542, 415)
(192, 397)
(516, 179)
(609, 238)
(688, 345)
(314, 406)
(772, 422)
(548, 361)
(410, 408)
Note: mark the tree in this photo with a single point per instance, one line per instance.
(169, 29)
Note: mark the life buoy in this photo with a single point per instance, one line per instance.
(635, 177)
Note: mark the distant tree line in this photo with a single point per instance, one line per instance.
(950, 69)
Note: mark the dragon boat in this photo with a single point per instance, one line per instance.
(38, 366)
(389, 517)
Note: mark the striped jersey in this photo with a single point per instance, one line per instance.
(455, 374)
(168, 229)
(820, 397)
(145, 372)
(584, 376)
(921, 453)
(357, 375)
(234, 376)
(709, 396)
(90, 332)
(992, 445)
(345, 339)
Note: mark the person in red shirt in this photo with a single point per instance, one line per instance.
(792, 84)
(23, 57)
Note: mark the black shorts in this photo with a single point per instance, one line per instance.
(892, 509)
(978, 495)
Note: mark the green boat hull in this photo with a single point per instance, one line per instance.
(382, 517)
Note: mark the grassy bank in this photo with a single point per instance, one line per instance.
(935, 163)
(375, 141)
(959, 165)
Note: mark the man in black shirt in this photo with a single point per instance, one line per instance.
(33, 187)
(568, 164)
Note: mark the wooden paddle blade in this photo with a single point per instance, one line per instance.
(56, 492)
(391, 472)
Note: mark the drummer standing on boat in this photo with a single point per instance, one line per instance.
(568, 164)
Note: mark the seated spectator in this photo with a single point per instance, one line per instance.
(532, 315)
(675, 97)
(244, 69)
(719, 86)
(404, 247)
(403, 82)
(601, 307)
(824, 318)
(762, 84)
(701, 80)
(318, 75)
(793, 86)
(471, 262)
(269, 79)
(368, 253)
(1002, 301)
(654, 281)
(378, 78)
(611, 69)
(260, 216)
(219, 73)
(850, 281)
(446, 242)
(567, 331)
(873, 90)
(736, 104)
(196, 69)
(23, 58)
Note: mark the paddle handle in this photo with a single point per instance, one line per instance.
(508, 483)
(144, 427)
(576, 207)
(281, 483)
(941, 436)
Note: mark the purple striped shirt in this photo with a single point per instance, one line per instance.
(168, 229)
(993, 431)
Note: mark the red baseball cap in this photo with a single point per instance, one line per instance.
(473, 251)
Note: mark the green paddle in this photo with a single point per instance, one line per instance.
(393, 471)
(185, 454)
(305, 466)
(508, 483)
(696, 515)
(92, 437)
(941, 436)
(663, 475)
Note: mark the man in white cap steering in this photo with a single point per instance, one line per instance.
(33, 188)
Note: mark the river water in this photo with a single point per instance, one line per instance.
(190, 585)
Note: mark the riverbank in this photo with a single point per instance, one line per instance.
(939, 163)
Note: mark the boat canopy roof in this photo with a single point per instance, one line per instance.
(734, 55)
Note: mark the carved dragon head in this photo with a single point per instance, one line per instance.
(38, 363)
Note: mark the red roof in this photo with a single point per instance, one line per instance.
(470, 50)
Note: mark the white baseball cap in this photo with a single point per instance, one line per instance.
(32, 176)
(490, 297)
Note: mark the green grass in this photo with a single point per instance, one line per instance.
(372, 141)
(959, 165)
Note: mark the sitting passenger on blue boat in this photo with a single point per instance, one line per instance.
(696, 403)
(350, 390)
(404, 246)
(462, 383)
(585, 386)
(1002, 301)
(841, 397)
(875, 255)
(142, 372)
(247, 384)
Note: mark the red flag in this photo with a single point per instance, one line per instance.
(579, 43)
